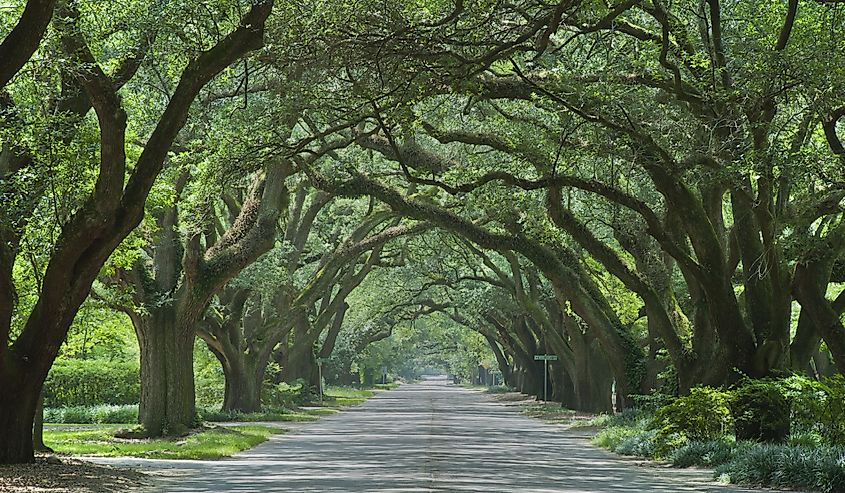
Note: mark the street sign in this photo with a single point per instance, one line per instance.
(545, 358)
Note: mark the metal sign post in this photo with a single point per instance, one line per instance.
(545, 358)
(320, 376)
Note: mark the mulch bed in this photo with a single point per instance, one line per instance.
(53, 474)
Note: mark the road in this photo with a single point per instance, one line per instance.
(427, 438)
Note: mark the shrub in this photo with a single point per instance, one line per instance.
(287, 395)
(651, 402)
(761, 411)
(703, 415)
(612, 436)
(811, 439)
(92, 382)
(640, 444)
(818, 406)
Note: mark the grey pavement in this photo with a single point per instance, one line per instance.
(426, 437)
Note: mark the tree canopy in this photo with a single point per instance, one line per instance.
(652, 191)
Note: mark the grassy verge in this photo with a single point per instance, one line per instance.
(208, 444)
(340, 397)
(280, 415)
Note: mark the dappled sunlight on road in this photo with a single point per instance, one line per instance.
(434, 438)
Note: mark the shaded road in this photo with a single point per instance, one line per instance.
(428, 438)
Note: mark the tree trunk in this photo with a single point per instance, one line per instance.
(810, 291)
(167, 373)
(17, 411)
(38, 427)
(243, 390)
(301, 362)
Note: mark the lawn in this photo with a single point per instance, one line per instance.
(338, 397)
(212, 443)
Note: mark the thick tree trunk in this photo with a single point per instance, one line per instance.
(243, 389)
(167, 374)
(301, 364)
(17, 412)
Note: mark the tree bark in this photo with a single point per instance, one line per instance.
(17, 412)
(38, 427)
(243, 386)
(167, 374)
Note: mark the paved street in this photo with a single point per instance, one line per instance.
(427, 438)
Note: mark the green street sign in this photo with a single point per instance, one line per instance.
(545, 357)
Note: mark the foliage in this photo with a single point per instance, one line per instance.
(817, 468)
(818, 407)
(286, 395)
(761, 411)
(73, 382)
(628, 427)
(706, 454)
(702, 415)
(208, 377)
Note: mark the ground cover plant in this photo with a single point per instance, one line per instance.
(700, 429)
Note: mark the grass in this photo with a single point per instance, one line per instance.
(281, 415)
(340, 397)
(212, 443)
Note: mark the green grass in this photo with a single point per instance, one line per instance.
(209, 444)
(340, 397)
(282, 415)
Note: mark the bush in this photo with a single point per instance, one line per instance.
(818, 406)
(612, 436)
(92, 382)
(103, 414)
(286, 395)
(639, 444)
(703, 415)
(761, 411)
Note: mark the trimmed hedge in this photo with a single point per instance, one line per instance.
(92, 382)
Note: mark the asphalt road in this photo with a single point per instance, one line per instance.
(427, 438)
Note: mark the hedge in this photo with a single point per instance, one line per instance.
(92, 382)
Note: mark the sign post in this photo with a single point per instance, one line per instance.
(320, 376)
(545, 358)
